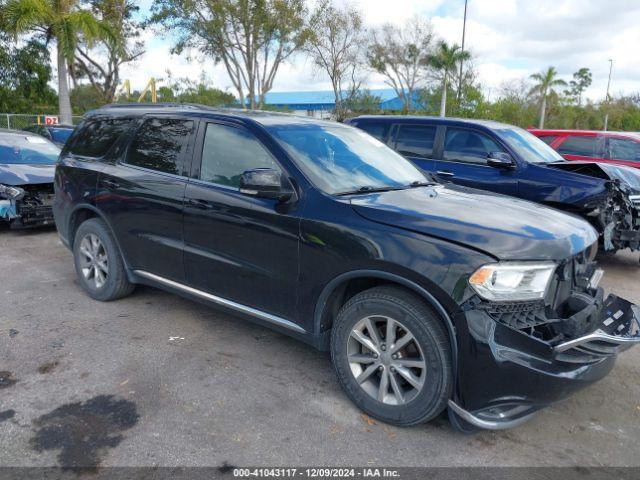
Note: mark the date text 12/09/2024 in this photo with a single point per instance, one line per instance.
(323, 472)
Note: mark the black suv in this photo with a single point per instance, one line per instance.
(429, 296)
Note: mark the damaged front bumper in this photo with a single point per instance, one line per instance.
(519, 358)
(26, 206)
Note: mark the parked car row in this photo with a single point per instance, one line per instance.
(508, 160)
(430, 296)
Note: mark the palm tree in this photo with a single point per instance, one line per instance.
(63, 21)
(545, 82)
(445, 60)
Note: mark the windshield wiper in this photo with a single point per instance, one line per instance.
(421, 183)
(369, 189)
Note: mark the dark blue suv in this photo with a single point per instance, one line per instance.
(428, 296)
(509, 160)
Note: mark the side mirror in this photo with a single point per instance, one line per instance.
(500, 160)
(265, 183)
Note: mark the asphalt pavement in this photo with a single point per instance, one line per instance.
(155, 379)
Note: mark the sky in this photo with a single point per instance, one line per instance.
(509, 39)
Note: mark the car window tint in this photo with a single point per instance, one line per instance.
(621, 149)
(467, 146)
(95, 138)
(228, 152)
(416, 140)
(159, 143)
(583, 146)
(548, 139)
(377, 130)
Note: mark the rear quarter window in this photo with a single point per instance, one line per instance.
(377, 130)
(96, 137)
(583, 146)
(548, 139)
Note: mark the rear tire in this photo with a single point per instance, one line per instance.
(392, 356)
(98, 263)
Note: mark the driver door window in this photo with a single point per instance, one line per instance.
(467, 146)
(622, 149)
(230, 151)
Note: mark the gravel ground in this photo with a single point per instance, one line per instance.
(155, 379)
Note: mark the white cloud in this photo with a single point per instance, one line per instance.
(509, 39)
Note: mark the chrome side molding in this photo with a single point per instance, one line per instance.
(267, 317)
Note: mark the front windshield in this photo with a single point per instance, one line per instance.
(60, 135)
(340, 159)
(528, 146)
(27, 149)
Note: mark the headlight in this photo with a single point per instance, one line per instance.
(512, 281)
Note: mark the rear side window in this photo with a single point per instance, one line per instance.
(228, 152)
(548, 139)
(583, 146)
(416, 140)
(467, 146)
(377, 130)
(96, 137)
(621, 149)
(159, 145)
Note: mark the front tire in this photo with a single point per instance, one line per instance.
(99, 267)
(392, 356)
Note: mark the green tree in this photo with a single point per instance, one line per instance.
(100, 63)
(544, 86)
(24, 78)
(582, 80)
(400, 54)
(58, 20)
(445, 61)
(252, 38)
(335, 46)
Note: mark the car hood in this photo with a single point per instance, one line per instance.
(626, 175)
(504, 227)
(21, 174)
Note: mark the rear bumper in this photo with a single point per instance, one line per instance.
(505, 375)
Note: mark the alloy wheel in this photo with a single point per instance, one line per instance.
(386, 360)
(94, 263)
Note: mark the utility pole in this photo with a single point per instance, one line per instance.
(606, 99)
(464, 29)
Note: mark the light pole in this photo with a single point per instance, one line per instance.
(464, 29)
(606, 99)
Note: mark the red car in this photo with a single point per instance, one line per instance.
(621, 148)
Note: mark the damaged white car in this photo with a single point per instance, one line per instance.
(27, 166)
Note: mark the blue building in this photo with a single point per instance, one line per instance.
(321, 104)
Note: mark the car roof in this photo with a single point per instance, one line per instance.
(258, 116)
(560, 131)
(4, 132)
(428, 118)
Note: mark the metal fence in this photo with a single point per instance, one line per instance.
(18, 121)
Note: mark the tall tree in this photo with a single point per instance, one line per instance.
(25, 72)
(335, 45)
(445, 61)
(100, 63)
(61, 21)
(252, 38)
(545, 83)
(400, 54)
(582, 80)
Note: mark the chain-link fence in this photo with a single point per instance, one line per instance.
(18, 121)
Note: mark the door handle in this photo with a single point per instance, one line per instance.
(446, 173)
(198, 203)
(110, 183)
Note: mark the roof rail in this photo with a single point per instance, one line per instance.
(156, 105)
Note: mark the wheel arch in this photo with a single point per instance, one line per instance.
(84, 212)
(335, 290)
